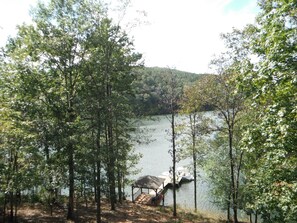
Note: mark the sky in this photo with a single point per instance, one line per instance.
(180, 34)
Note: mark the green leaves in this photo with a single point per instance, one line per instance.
(66, 81)
(270, 137)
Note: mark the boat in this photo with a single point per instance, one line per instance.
(185, 175)
(182, 176)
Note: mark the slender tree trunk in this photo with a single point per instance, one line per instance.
(70, 214)
(123, 187)
(174, 162)
(85, 194)
(11, 206)
(95, 180)
(118, 164)
(119, 176)
(16, 207)
(70, 150)
(13, 197)
(4, 207)
(195, 181)
(98, 178)
(193, 124)
(110, 165)
(109, 128)
(236, 192)
(233, 183)
(71, 116)
(111, 170)
(228, 208)
(51, 190)
(98, 198)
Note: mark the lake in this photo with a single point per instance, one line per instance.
(156, 160)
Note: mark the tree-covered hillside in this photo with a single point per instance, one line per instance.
(150, 85)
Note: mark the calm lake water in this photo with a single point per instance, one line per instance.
(157, 160)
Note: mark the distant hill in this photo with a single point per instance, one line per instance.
(150, 84)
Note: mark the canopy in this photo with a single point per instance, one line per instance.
(149, 182)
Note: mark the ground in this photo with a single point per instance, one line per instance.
(126, 212)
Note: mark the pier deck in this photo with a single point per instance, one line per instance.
(148, 199)
(156, 187)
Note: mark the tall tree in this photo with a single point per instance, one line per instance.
(53, 48)
(61, 31)
(192, 130)
(271, 90)
(73, 71)
(18, 146)
(171, 97)
(109, 87)
(219, 92)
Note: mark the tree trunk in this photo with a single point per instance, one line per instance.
(98, 198)
(71, 116)
(193, 124)
(109, 143)
(17, 197)
(119, 184)
(112, 193)
(98, 178)
(110, 166)
(70, 214)
(228, 209)
(123, 187)
(95, 181)
(4, 206)
(85, 194)
(11, 206)
(174, 162)
(195, 183)
(119, 169)
(233, 183)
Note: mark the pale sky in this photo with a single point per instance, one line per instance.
(181, 34)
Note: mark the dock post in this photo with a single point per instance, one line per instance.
(163, 199)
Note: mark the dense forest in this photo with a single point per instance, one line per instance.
(150, 85)
(72, 86)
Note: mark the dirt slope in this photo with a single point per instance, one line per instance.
(126, 212)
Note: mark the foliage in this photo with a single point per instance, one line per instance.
(219, 91)
(270, 88)
(149, 85)
(66, 87)
(171, 94)
(192, 130)
(218, 178)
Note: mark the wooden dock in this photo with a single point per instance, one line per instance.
(156, 191)
(149, 199)
(143, 198)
